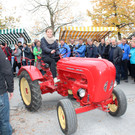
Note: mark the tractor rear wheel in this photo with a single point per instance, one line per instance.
(119, 105)
(66, 116)
(30, 92)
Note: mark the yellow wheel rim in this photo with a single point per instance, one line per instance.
(25, 91)
(113, 107)
(61, 116)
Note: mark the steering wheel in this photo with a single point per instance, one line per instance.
(75, 53)
(60, 53)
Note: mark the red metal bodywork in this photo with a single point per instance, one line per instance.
(96, 76)
(34, 73)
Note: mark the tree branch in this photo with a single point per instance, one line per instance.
(65, 7)
(57, 4)
(128, 24)
(64, 25)
(108, 17)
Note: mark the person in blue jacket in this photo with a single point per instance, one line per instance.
(132, 59)
(80, 49)
(64, 49)
(125, 49)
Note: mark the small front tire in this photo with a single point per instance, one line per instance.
(119, 105)
(66, 117)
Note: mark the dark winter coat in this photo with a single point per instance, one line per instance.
(91, 51)
(47, 48)
(21, 47)
(106, 55)
(117, 55)
(6, 75)
(31, 55)
(101, 49)
(27, 52)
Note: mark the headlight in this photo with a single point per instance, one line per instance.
(115, 84)
(81, 93)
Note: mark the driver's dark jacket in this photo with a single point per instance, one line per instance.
(47, 48)
(6, 75)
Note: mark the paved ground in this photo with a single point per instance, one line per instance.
(96, 122)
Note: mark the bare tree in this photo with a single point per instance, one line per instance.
(53, 13)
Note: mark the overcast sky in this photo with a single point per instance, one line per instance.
(26, 21)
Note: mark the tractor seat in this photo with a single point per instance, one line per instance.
(43, 65)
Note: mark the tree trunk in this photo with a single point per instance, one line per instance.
(119, 35)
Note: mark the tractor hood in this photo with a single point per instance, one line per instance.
(88, 63)
(99, 73)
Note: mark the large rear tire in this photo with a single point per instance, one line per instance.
(119, 105)
(30, 92)
(66, 116)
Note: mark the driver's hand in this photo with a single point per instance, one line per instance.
(53, 51)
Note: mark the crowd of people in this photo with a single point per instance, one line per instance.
(121, 53)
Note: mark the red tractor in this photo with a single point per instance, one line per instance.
(88, 80)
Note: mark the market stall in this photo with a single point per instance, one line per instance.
(95, 33)
(11, 36)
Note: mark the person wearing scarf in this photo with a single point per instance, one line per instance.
(50, 51)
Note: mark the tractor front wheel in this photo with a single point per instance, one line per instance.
(119, 105)
(30, 92)
(66, 116)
